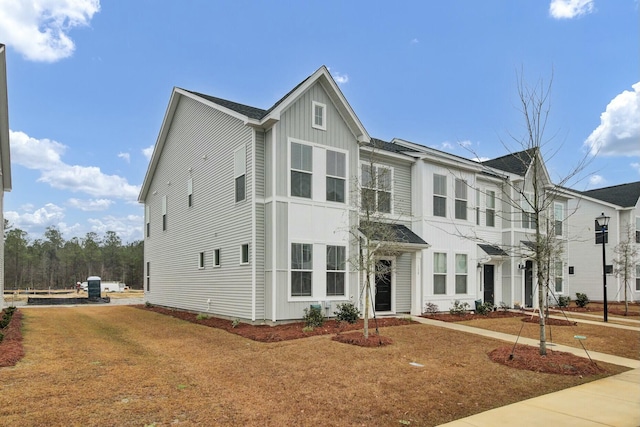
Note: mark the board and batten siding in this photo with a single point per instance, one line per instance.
(200, 146)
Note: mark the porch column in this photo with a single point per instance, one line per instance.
(416, 283)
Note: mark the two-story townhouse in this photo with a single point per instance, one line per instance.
(252, 213)
(5, 160)
(621, 203)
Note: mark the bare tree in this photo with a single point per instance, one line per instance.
(625, 262)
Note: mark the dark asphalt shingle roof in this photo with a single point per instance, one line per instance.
(389, 146)
(251, 112)
(625, 195)
(493, 250)
(385, 232)
(517, 163)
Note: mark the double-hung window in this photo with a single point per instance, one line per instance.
(558, 276)
(216, 257)
(240, 169)
(490, 213)
(336, 176)
(461, 199)
(528, 216)
(477, 206)
(461, 274)
(558, 218)
(190, 192)
(164, 213)
(301, 170)
(301, 269)
(439, 273)
(638, 229)
(638, 277)
(201, 260)
(439, 195)
(336, 270)
(319, 115)
(376, 188)
(147, 220)
(244, 254)
(148, 276)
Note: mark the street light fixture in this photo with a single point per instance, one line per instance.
(603, 222)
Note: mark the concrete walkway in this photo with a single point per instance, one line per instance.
(612, 401)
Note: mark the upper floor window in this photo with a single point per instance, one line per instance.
(528, 216)
(244, 254)
(477, 206)
(461, 199)
(376, 188)
(638, 229)
(301, 170)
(490, 212)
(190, 192)
(201, 260)
(301, 269)
(638, 277)
(336, 176)
(439, 195)
(558, 218)
(336, 270)
(164, 213)
(319, 118)
(148, 276)
(147, 220)
(600, 232)
(216, 257)
(439, 273)
(240, 169)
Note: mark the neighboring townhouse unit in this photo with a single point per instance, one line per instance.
(256, 214)
(5, 158)
(622, 204)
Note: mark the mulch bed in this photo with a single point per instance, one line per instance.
(448, 317)
(11, 350)
(286, 331)
(555, 362)
(550, 321)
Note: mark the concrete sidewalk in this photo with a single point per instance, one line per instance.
(612, 401)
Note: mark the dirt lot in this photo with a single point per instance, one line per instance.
(125, 366)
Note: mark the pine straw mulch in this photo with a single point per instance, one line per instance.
(11, 350)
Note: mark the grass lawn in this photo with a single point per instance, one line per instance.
(124, 366)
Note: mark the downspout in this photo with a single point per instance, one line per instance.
(253, 225)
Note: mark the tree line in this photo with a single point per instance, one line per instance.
(56, 263)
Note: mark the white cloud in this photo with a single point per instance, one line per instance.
(619, 131)
(414, 41)
(90, 204)
(45, 155)
(569, 9)
(128, 228)
(38, 29)
(636, 167)
(125, 156)
(596, 181)
(341, 78)
(49, 214)
(148, 152)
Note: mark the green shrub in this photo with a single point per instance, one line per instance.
(347, 312)
(485, 308)
(148, 304)
(202, 316)
(563, 301)
(235, 323)
(581, 299)
(459, 308)
(431, 308)
(313, 317)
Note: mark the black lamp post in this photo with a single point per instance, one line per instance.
(603, 222)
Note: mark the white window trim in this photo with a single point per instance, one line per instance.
(556, 276)
(239, 169)
(201, 260)
(345, 271)
(487, 208)
(456, 274)
(561, 205)
(219, 264)
(302, 298)
(456, 199)
(391, 190)
(315, 104)
(165, 224)
(346, 172)
(190, 192)
(445, 274)
(442, 196)
(248, 254)
(291, 168)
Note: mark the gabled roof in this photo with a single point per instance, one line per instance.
(388, 232)
(516, 163)
(256, 117)
(624, 195)
(5, 155)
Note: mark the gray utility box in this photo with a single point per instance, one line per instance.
(93, 287)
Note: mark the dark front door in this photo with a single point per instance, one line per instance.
(383, 285)
(488, 283)
(528, 284)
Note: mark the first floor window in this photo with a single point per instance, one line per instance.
(301, 269)
(439, 273)
(558, 277)
(201, 260)
(335, 270)
(638, 229)
(244, 254)
(148, 276)
(461, 274)
(638, 277)
(216, 258)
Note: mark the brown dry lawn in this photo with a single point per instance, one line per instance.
(121, 366)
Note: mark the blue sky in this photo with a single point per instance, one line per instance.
(89, 84)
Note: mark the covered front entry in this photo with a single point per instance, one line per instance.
(489, 283)
(384, 269)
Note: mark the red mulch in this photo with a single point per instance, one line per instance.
(11, 350)
(555, 362)
(550, 321)
(283, 331)
(357, 338)
(448, 317)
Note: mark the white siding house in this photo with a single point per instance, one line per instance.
(257, 213)
(5, 160)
